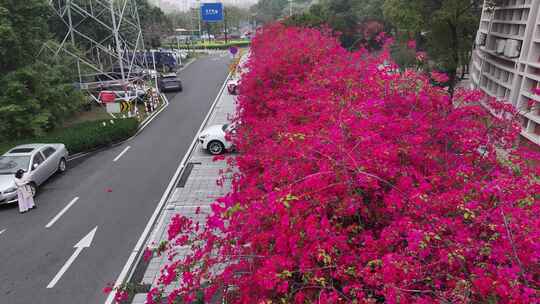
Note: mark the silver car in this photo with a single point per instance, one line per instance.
(40, 160)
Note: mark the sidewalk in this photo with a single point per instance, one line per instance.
(198, 190)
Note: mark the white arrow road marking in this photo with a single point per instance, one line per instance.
(121, 153)
(85, 242)
(73, 201)
(2, 231)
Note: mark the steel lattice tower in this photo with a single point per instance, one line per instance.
(100, 34)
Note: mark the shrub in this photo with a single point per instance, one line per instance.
(357, 185)
(215, 46)
(85, 136)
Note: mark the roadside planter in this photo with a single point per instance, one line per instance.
(86, 136)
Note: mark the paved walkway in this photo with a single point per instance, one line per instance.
(200, 190)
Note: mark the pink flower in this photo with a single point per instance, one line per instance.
(121, 296)
(107, 289)
(148, 254)
(411, 44)
(372, 181)
(421, 56)
(439, 77)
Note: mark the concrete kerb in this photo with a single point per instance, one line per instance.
(141, 127)
(137, 252)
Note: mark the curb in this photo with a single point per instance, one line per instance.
(191, 60)
(141, 127)
(137, 252)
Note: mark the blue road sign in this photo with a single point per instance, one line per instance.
(212, 12)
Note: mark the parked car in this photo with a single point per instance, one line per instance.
(169, 82)
(40, 161)
(232, 86)
(213, 139)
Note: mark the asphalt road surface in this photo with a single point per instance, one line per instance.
(32, 255)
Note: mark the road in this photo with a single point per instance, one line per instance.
(118, 197)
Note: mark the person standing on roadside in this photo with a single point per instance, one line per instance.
(24, 192)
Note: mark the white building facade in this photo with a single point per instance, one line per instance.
(505, 63)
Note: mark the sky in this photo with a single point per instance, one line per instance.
(168, 5)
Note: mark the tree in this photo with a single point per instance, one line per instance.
(154, 23)
(315, 16)
(36, 95)
(357, 21)
(23, 29)
(449, 26)
(358, 185)
(269, 10)
(235, 16)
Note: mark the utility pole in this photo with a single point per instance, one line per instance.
(225, 23)
(117, 40)
(199, 13)
(290, 8)
(72, 34)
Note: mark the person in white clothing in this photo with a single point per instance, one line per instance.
(24, 192)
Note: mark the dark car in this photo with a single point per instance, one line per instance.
(169, 82)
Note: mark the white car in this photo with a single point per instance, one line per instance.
(213, 138)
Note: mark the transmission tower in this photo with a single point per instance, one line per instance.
(103, 36)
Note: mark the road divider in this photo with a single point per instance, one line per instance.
(121, 153)
(54, 219)
(85, 242)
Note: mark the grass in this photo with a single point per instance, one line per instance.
(96, 112)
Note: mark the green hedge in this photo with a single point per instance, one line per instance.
(84, 136)
(214, 46)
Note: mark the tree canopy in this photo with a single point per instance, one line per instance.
(35, 95)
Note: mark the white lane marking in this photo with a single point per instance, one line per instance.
(85, 242)
(139, 246)
(54, 219)
(121, 153)
(2, 231)
(139, 130)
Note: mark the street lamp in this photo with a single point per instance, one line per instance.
(290, 8)
(155, 70)
(254, 24)
(199, 13)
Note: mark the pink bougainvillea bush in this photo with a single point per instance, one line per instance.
(357, 184)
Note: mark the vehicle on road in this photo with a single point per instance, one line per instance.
(232, 86)
(214, 139)
(169, 82)
(150, 73)
(40, 161)
(207, 37)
